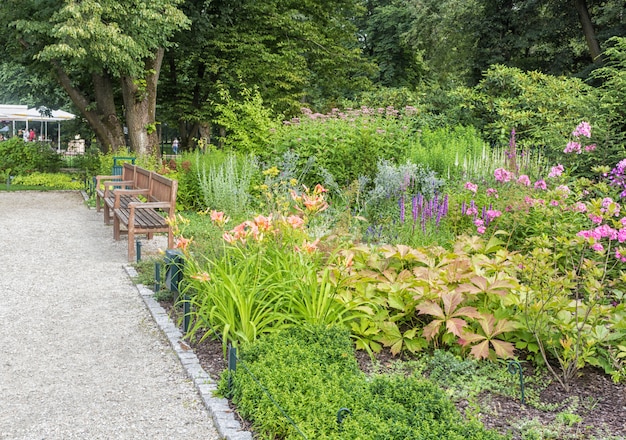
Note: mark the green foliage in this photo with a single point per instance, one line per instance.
(247, 123)
(19, 158)
(433, 297)
(50, 181)
(508, 98)
(612, 96)
(114, 34)
(347, 144)
(322, 378)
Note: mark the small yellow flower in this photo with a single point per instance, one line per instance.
(273, 172)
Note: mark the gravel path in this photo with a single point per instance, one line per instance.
(80, 356)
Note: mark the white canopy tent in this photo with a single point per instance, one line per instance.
(43, 115)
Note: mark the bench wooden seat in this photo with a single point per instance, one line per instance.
(133, 217)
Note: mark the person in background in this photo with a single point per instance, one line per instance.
(25, 135)
(175, 145)
(31, 135)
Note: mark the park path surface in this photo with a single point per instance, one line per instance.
(80, 356)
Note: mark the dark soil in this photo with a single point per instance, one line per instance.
(599, 404)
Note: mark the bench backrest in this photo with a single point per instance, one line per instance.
(128, 172)
(142, 178)
(163, 189)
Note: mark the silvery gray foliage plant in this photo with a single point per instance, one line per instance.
(392, 181)
(225, 187)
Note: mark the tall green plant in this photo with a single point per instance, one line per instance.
(239, 296)
(226, 186)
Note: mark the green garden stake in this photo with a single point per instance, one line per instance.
(341, 414)
(157, 276)
(186, 313)
(138, 243)
(232, 365)
(516, 367)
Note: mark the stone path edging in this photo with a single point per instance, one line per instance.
(224, 419)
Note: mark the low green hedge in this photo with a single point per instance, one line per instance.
(50, 181)
(312, 373)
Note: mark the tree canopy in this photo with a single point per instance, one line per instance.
(109, 56)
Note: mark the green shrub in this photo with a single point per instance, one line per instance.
(245, 121)
(543, 109)
(346, 144)
(311, 372)
(18, 157)
(50, 181)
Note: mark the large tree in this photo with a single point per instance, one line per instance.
(106, 54)
(294, 52)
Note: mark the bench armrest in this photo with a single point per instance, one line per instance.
(119, 193)
(108, 184)
(131, 192)
(149, 205)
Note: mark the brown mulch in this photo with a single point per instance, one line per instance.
(593, 396)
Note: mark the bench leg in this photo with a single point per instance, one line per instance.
(107, 214)
(131, 243)
(170, 239)
(98, 203)
(116, 228)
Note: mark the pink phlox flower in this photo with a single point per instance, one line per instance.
(606, 202)
(583, 129)
(471, 186)
(595, 218)
(584, 234)
(554, 203)
(471, 211)
(479, 222)
(590, 148)
(529, 201)
(492, 192)
(580, 207)
(605, 231)
(541, 184)
(573, 147)
(597, 247)
(623, 221)
(619, 256)
(563, 190)
(502, 175)
(556, 171)
(621, 235)
(481, 230)
(493, 213)
(523, 180)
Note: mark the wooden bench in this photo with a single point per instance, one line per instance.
(148, 212)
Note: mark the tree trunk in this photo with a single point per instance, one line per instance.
(140, 101)
(103, 119)
(590, 35)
